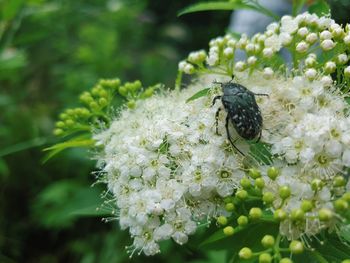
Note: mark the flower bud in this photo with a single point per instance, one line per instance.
(297, 215)
(267, 52)
(339, 181)
(311, 38)
(346, 197)
(260, 183)
(251, 60)
(268, 241)
(222, 220)
(302, 47)
(58, 132)
(347, 39)
(284, 192)
(316, 184)
(268, 73)
(228, 52)
(325, 214)
(311, 73)
(240, 66)
(131, 104)
(341, 205)
(296, 247)
(268, 198)
(245, 183)
(306, 205)
(330, 67)
(347, 72)
(280, 215)
(286, 260)
(327, 44)
(242, 221)
(342, 59)
(228, 231)
(255, 213)
(242, 194)
(327, 81)
(303, 31)
(272, 173)
(325, 35)
(254, 173)
(229, 207)
(245, 253)
(265, 258)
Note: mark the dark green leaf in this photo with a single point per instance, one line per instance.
(344, 232)
(320, 7)
(231, 5)
(199, 94)
(298, 6)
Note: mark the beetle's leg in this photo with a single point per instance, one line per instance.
(217, 121)
(258, 140)
(229, 135)
(215, 99)
(261, 94)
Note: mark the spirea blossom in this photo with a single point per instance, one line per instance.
(171, 169)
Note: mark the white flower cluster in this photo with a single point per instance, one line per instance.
(169, 170)
(166, 166)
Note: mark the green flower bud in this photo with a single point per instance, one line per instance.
(63, 116)
(280, 215)
(58, 132)
(245, 183)
(255, 213)
(341, 205)
(339, 181)
(265, 258)
(268, 241)
(148, 92)
(254, 173)
(103, 93)
(245, 253)
(131, 104)
(123, 91)
(306, 205)
(260, 183)
(285, 260)
(268, 198)
(296, 247)
(95, 90)
(325, 214)
(230, 207)
(93, 105)
(103, 102)
(242, 221)
(242, 194)
(60, 124)
(69, 123)
(222, 220)
(229, 231)
(346, 261)
(284, 192)
(297, 215)
(346, 197)
(273, 172)
(228, 199)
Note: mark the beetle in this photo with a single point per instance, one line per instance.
(242, 110)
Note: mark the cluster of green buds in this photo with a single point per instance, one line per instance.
(260, 199)
(96, 105)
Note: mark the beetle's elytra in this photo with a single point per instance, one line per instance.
(242, 110)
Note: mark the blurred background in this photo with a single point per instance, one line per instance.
(51, 51)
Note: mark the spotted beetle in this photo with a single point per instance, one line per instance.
(242, 110)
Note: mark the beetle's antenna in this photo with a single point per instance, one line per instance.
(232, 78)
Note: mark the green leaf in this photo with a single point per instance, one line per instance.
(62, 202)
(199, 94)
(260, 152)
(229, 6)
(81, 141)
(298, 6)
(344, 232)
(21, 146)
(319, 8)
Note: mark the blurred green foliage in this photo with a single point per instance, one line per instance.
(51, 51)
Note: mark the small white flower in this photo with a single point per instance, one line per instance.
(311, 38)
(228, 52)
(325, 35)
(302, 47)
(311, 73)
(268, 73)
(327, 44)
(303, 31)
(240, 66)
(347, 71)
(252, 60)
(268, 52)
